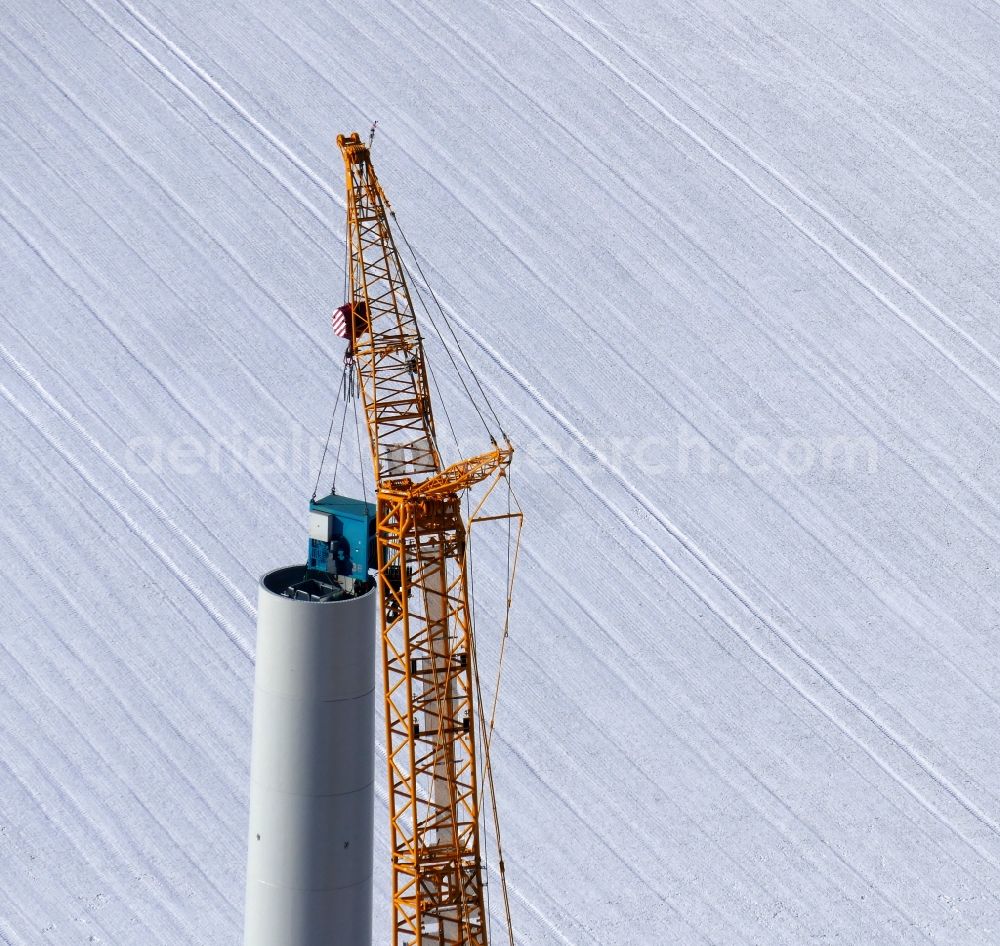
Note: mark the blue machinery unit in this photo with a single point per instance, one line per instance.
(341, 538)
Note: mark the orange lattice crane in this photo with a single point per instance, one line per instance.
(433, 712)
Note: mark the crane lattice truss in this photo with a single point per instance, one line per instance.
(427, 641)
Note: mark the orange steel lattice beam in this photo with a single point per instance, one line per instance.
(426, 632)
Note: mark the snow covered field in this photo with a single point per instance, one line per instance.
(728, 269)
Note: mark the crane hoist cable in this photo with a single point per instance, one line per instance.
(487, 762)
(340, 443)
(451, 330)
(329, 434)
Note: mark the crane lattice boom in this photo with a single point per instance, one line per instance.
(426, 632)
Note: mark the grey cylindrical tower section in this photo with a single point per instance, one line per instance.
(309, 869)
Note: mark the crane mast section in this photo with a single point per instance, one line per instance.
(433, 780)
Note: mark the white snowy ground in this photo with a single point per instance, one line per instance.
(728, 269)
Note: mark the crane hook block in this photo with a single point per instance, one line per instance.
(350, 321)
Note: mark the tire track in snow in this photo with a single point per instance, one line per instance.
(536, 769)
(138, 564)
(254, 382)
(711, 261)
(735, 592)
(465, 328)
(70, 420)
(165, 483)
(95, 121)
(225, 96)
(167, 388)
(713, 570)
(540, 566)
(134, 527)
(47, 727)
(574, 809)
(169, 916)
(627, 682)
(820, 517)
(587, 824)
(482, 56)
(278, 497)
(904, 30)
(179, 616)
(137, 687)
(776, 175)
(6, 936)
(174, 199)
(54, 670)
(976, 522)
(932, 811)
(601, 497)
(933, 63)
(222, 93)
(128, 480)
(158, 511)
(883, 120)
